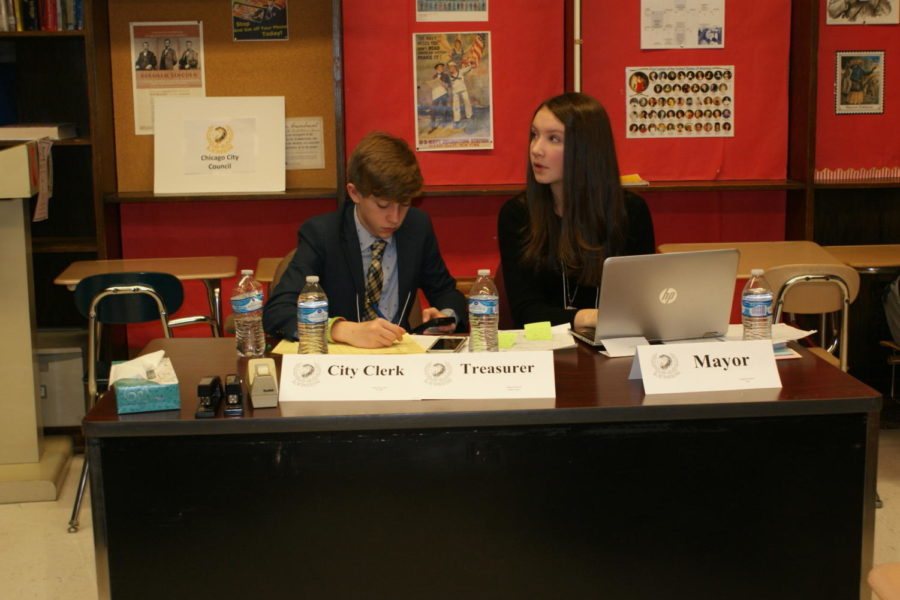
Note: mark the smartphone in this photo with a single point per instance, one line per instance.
(436, 322)
(447, 344)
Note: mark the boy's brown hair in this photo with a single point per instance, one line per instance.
(385, 166)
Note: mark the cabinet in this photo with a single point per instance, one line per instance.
(64, 76)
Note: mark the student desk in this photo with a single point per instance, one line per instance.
(211, 270)
(763, 255)
(868, 258)
(602, 493)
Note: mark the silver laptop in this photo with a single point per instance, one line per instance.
(665, 297)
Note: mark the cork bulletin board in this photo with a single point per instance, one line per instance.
(300, 69)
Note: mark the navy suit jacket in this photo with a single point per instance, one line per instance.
(328, 246)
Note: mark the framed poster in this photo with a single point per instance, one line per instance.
(859, 82)
(861, 12)
(168, 60)
(452, 91)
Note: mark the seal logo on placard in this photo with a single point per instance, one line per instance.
(438, 373)
(665, 365)
(219, 138)
(306, 374)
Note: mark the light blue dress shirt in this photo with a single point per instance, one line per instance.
(389, 304)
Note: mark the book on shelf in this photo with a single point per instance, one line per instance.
(34, 131)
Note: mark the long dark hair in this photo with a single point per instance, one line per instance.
(593, 222)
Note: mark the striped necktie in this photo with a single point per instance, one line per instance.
(374, 279)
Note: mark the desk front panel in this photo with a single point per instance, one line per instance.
(598, 495)
(743, 508)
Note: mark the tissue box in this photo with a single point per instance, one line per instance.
(157, 392)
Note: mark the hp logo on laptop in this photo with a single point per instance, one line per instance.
(668, 296)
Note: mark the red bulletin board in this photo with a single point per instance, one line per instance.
(248, 230)
(757, 36)
(857, 141)
(527, 66)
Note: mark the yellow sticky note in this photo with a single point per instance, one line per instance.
(538, 331)
(506, 339)
(633, 179)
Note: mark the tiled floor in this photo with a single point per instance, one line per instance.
(39, 560)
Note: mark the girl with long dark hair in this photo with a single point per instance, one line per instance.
(572, 215)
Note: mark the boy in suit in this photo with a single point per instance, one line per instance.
(376, 237)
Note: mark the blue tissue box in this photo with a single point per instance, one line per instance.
(159, 392)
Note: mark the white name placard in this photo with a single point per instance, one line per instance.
(436, 376)
(705, 367)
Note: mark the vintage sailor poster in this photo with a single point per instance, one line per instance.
(453, 91)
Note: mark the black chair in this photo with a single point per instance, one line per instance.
(117, 299)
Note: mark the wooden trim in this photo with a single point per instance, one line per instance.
(79, 141)
(803, 83)
(137, 197)
(102, 128)
(43, 34)
(887, 182)
(340, 130)
(720, 185)
(49, 245)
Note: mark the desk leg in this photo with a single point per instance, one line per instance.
(214, 296)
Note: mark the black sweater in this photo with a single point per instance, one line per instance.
(540, 296)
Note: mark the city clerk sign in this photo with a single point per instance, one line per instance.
(436, 376)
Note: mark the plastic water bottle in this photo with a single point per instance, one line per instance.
(756, 307)
(247, 306)
(312, 317)
(484, 313)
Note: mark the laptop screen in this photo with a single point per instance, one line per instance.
(665, 297)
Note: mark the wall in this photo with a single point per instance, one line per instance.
(528, 67)
(857, 141)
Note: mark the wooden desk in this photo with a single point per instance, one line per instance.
(601, 493)
(211, 270)
(763, 255)
(868, 257)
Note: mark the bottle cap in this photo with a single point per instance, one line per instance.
(483, 272)
(312, 279)
(246, 271)
(756, 272)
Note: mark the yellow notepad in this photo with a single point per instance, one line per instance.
(405, 346)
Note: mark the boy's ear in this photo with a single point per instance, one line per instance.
(354, 193)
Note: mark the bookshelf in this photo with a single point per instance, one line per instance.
(64, 76)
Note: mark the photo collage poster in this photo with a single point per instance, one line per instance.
(451, 10)
(453, 91)
(665, 102)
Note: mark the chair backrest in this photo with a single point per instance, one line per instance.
(129, 308)
(815, 296)
(117, 298)
(817, 289)
(282, 267)
(892, 309)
